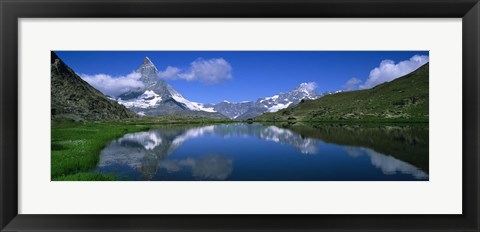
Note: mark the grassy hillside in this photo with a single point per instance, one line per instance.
(404, 99)
(74, 98)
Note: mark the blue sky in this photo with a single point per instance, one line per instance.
(213, 76)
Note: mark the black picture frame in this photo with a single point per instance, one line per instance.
(12, 10)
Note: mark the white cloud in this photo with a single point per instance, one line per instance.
(310, 86)
(169, 73)
(352, 84)
(113, 86)
(388, 70)
(207, 71)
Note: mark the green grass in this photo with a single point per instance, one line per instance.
(76, 146)
(87, 177)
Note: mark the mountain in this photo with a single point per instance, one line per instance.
(159, 98)
(74, 98)
(249, 109)
(232, 109)
(403, 99)
(281, 101)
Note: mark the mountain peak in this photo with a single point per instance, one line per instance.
(147, 61)
(148, 71)
(308, 87)
(148, 65)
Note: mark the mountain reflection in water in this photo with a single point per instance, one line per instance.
(241, 151)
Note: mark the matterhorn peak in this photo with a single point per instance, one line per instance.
(148, 71)
(147, 61)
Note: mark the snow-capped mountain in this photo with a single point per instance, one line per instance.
(245, 110)
(159, 98)
(284, 100)
(232, 109)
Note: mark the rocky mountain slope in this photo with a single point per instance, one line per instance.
(74, 98)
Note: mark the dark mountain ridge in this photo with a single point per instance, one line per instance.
(74, 98)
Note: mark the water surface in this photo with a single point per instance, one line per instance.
(256, 152)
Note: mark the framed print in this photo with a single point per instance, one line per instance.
(246, 116)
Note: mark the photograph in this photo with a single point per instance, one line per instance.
(276, 115)
(239, 115)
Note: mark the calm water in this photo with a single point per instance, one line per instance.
(249, 152)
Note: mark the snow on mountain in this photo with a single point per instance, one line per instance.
(231, 109)
(192, 105)
(269, 98)
(159, 98)
(282, 100)
(249, 109)
(147, 100)
(278, 107)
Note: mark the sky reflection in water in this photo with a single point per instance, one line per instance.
(249, 152)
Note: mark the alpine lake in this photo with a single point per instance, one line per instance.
(270, 152)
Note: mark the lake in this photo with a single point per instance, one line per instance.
(256, 152)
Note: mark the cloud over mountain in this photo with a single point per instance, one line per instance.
(388, 70)
(352, 84)
(310, 86)
(210, 71)
(111, 85)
